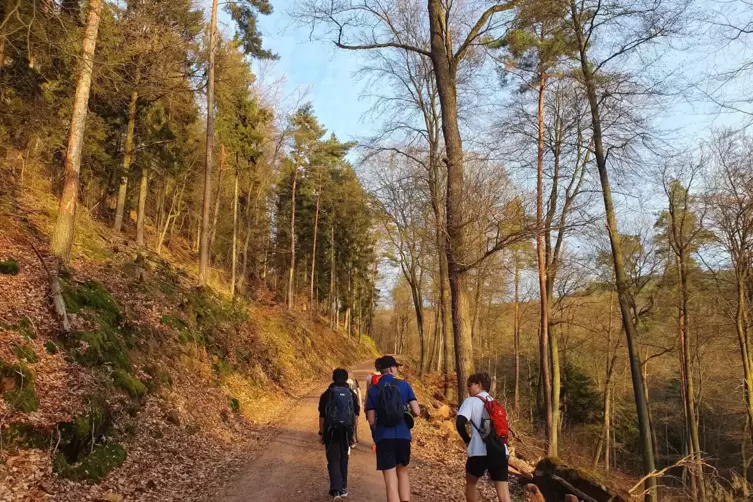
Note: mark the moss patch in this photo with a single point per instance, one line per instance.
(110, 343)
(9, 267)
(78, 435)
(94, 466)
(25, 352)
(129, 383)
(234, 404)
(26, 436)
(23, 400)
(159, 378)
(18, 387)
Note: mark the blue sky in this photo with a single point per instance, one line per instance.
(334, 90)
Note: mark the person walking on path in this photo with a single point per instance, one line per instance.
(481, 459)
(356, 388)
(389, 406)
(372, 380)
(338, 409)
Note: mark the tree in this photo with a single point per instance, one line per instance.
(62, 238)
(536, 44)
(244, 13)
(401, 204)
(641, 23)
(732, 217)
(683, 228)
(378, 27)
(305, 133)
(209, 158)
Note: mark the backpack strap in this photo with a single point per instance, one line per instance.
(482, 416)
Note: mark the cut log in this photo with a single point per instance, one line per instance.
(521, 467)
(58, 302)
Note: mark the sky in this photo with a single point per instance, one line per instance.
(326, 73)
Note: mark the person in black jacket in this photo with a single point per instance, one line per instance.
(338, 438)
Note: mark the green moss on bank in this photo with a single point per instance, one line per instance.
(9, 267)
(94, 466)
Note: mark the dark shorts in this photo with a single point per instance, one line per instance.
(391, 452)
(497, 467)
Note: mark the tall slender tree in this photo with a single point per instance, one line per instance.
(62, 238)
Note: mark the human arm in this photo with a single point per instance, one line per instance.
(322, 407)
(356, 403)
(414, 408)
(412, 401)
(371, 418)
(460, 423)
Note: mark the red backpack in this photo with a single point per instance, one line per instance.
(497, 418)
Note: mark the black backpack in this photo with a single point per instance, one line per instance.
(389, 406)
(339, 412)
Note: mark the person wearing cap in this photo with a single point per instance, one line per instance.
(393, 444)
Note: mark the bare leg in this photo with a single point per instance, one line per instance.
(470, 488)
(403, 483)
(390, 482)
(503, 491)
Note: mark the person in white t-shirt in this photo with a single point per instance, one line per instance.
(471, 416)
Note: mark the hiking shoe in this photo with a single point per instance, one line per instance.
(337, 497)
(344, 494)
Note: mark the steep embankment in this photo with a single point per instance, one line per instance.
(160, 390)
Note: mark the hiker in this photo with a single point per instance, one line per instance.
(391, 405)
(374, 377)
(356, 388)
(372, 380)
(338, 409)
(487, 449)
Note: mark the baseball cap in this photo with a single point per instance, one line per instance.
(388, 362)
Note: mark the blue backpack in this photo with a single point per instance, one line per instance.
(339, 412)
(389, 405)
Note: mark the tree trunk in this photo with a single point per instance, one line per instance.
(312, 303)
(170, 216)
(216, 216)
(291, 272)
(697, 485)
(415, 289)
(623, 288)
(544, 350)
(141, 216)
(741, 327)
(332, 293)
(204, 245)
(235, 228)
(445, 69)
(127, 159)
(516, 334)
(62, 237)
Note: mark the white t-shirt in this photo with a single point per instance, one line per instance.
(473, 409)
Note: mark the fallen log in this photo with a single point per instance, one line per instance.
(58, 302)
(556, 479)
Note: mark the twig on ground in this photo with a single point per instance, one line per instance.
(57, 295)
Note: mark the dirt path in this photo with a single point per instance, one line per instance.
(293, 468)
